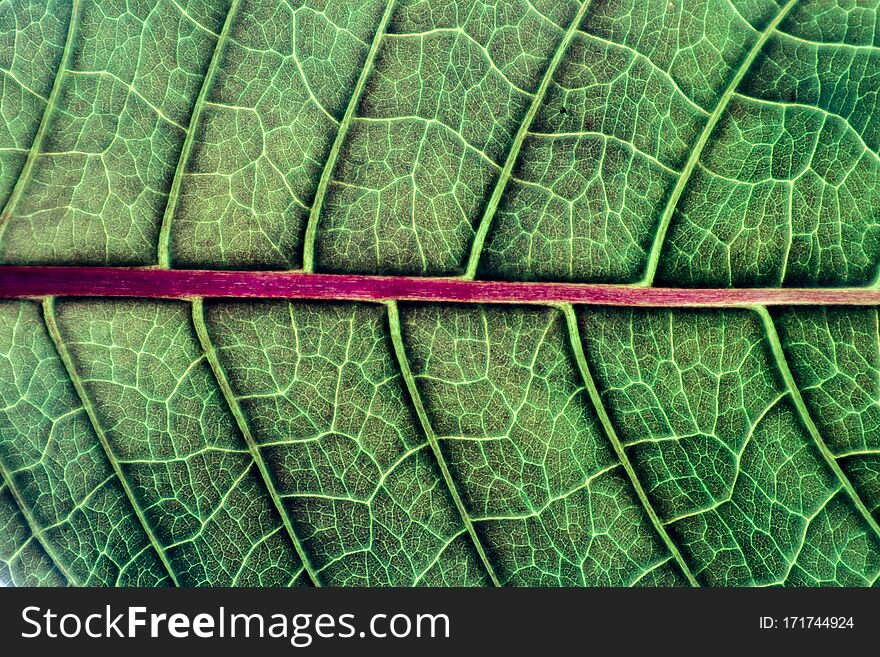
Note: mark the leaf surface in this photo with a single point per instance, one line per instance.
(687, 148)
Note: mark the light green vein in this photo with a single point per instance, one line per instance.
(34, 527)
(702, 140)
(67, 360)
(164, 248)
(198, 315)
(308, 263)
(574, 337)
(492, 207)
(803, 412)
(416, 398)
(27, 170)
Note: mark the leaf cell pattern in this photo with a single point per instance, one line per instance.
(701, 143)
(321, 390)
(834, 357)
(712, 428)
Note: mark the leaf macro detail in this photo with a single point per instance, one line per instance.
(690, 147)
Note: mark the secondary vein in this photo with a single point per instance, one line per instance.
(36, 532)
(341, 133)
(803, 412)
(703, 139)
(428, 430)
(578, 349)
(518, 140)
(27, 170)
(198, 314)
(66, 359)
(164, 247)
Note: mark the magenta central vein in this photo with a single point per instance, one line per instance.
(22, 282)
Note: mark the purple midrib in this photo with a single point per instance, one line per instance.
(16, 282)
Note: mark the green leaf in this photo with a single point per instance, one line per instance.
(549, 499)
(23, 561)
(189, 440)
(726, 454)
(53, 462)
(322, 394)
(524, 140)
(835, 359)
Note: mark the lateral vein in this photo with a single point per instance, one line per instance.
(428, 430)
(518, 140)
(61, 348)
(27, 170)
(806, 418)
(36, 532)
(703, 139)
(308, 262)
(574, 336)
(164, 247)
(198, 315)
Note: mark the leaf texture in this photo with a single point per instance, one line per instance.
(684, 144)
